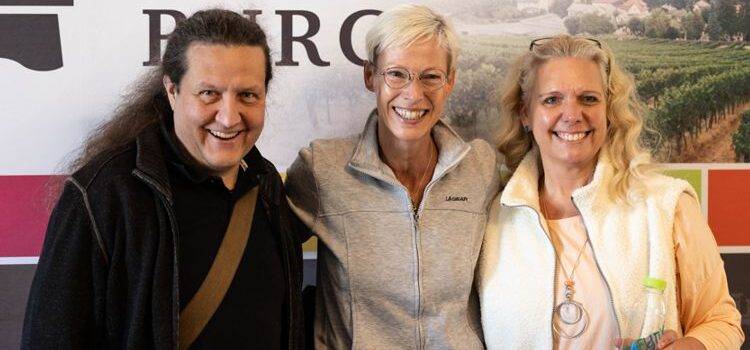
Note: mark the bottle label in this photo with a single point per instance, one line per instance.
(647, 343)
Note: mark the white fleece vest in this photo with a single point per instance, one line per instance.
(516, 272)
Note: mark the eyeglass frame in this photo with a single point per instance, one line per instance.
(531, 45)
(411, 78)
(597, 42)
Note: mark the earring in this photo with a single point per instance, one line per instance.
(526, 128)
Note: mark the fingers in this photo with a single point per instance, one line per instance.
(622, 343)
(667, 339)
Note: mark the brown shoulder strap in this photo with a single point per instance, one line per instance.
(204, 303)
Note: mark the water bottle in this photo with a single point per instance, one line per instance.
(644, 324)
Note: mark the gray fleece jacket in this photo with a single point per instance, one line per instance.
(389, 278)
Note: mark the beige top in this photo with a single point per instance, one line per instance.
(707, 311)
(569, 236)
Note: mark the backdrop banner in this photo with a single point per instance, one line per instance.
(65, 65)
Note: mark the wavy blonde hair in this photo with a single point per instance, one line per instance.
(622, 145)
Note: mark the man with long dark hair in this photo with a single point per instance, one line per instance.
(173, 231)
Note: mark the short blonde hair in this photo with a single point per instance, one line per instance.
(624, 110)
(407, 24)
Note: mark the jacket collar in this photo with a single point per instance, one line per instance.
(149, 159)
(251, 165)
(366, 157)
(523, 187)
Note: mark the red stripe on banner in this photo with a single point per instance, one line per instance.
(728, 206)
(24, 211)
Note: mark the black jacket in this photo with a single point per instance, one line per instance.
(107, 276)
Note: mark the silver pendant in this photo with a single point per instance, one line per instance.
(570, 312)
(569, 318)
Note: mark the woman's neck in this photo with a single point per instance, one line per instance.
(412, 162)
(556, 188)
(408, 158)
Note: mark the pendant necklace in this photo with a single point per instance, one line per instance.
(569, 318)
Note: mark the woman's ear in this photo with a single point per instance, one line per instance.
(524, 118)
(369, 76)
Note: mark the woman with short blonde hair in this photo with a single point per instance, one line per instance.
(400, 209)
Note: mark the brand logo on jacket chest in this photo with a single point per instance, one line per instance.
(456, 199)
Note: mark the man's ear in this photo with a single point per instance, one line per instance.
(171, 89)
(369, 76)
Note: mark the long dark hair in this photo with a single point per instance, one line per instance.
(147, 101)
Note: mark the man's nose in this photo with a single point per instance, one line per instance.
(228, 114)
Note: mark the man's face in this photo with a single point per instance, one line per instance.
(219, 106)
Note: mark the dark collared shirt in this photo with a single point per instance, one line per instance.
(252, 312)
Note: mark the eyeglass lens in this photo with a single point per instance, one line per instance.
(398, 78)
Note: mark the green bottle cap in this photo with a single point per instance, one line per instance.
(655, 283)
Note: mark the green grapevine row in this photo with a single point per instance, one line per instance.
(741, 138)
(687, 109)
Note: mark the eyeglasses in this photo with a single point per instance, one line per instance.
(541, 41)
(399, 78)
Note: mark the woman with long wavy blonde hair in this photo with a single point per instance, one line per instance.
(583, 220)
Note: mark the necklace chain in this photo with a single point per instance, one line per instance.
(424, 175)
(569, 311)
(569, 277)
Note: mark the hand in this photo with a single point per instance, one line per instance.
(670, 341)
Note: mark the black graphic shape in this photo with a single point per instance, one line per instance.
(36, 2)
(31, 40)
